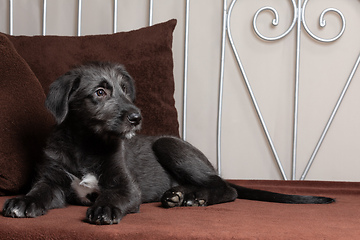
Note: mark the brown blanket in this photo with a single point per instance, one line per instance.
(241, 219)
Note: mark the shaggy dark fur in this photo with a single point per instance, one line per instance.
(93, 156)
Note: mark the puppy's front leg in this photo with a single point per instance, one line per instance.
(119, 195)
(110, 207)
(42, 197)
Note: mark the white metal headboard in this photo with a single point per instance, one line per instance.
(298, 23)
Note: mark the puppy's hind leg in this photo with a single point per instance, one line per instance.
(199, 183)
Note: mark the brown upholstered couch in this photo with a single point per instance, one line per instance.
(27, 67)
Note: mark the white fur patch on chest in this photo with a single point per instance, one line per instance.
(86, 185)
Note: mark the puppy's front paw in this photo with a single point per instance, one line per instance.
(23, 207)
(103, 215)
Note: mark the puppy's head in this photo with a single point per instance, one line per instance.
(97, 97)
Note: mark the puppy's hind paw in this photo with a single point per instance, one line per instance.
(194, 202)
(172, 199)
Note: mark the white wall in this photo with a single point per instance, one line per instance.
(270, 67)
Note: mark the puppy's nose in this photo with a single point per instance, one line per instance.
(134, 118)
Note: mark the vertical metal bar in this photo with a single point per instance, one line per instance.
(186, 58)
(11, 17)
(151, 9)
(44, 17)
(331, 118)
(296, 100)
(221, 89)
(79, 17)
(246, 80)
(115, 15)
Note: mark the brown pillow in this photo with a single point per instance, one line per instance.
(24, 121)
(146, 53)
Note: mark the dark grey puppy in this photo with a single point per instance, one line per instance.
(93, 156)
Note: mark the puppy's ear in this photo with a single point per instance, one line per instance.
(131, 90)
(130, 84)
(57, 101)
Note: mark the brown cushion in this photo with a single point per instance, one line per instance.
(146, 54)
(24, 121)
(242, 219)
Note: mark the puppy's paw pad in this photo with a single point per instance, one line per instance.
(172, 199)
(195, 203)
(202, 202)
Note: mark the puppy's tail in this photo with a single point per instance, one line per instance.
(266, 196)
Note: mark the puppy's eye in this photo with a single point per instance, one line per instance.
(100, 92)
(123, 88)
